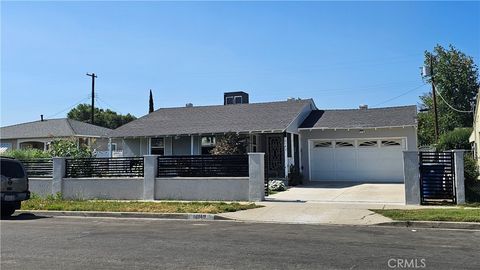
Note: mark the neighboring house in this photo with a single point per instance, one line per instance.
(39, 134)
(350, 145)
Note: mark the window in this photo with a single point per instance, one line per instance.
(343, 144)
(323, 145)
(229, 100)
(208, 143)
(253, 143)
(238, 100)
(114, 147)
(289, 145)
(157, 146)
(11, 169)
(391, 143)
(83, 142)
(367, 143)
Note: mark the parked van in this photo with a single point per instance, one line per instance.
(14, 187)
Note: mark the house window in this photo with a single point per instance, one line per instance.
(229, 100)
(157, 146)
(113, 147)
(370, 143)
(83, 142)
(238, 100)
(254, 143)
(208, 143)
(323, 145)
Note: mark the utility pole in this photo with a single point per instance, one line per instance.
(92, 121)
(434, 96)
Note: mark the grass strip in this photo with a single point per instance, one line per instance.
(441, 214)
(58, 204)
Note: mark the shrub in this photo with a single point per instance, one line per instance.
(276, 185)
(455, 139)
(230, 144)
(26, 154)
(69, 148)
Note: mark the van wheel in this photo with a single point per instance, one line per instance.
(7, 211)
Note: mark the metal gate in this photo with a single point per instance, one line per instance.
(437, 177)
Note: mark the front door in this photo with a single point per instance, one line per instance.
(275, 156)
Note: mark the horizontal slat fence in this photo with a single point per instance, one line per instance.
(203, 166)
(39, 168)
(104, 167)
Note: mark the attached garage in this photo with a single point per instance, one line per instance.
(357, 159)
(359, 145)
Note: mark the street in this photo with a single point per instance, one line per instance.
(29, 242)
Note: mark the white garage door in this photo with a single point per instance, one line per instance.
(357, 160)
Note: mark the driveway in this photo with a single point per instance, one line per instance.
(328, 203)
(344, 192)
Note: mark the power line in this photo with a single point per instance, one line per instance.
(451, 107)
(70, 107)
(401, 95)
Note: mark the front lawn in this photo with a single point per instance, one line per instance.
(57, 204)
(438, 214)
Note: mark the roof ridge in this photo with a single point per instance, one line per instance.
(45, 120)
(369, 109)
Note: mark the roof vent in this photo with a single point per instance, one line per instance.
(41, 117)
(363, 106)
(189, 105)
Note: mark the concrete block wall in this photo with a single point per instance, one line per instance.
(150, 187)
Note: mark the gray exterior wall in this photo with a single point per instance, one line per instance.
(410, 133)
(40, 186)
(211, 188)
(181, 146)
(135, 147)
(104, 188)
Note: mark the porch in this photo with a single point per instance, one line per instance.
(282, 150)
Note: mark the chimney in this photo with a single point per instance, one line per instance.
(41, 117)
(189, 105)
(239, 97)
(363, 106)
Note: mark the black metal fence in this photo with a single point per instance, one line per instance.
(437, 177)
(203, 166)
(39, 168)
(104, 167)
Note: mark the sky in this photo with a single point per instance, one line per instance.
(341, 54)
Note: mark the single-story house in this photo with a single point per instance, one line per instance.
(39, 134)
(364, 144)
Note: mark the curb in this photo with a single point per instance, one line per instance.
(433, 224)
(183, 216)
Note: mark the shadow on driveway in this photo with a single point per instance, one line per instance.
(24, 216)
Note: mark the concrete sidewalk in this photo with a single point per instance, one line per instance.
(314, 213)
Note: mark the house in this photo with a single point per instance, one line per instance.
(349, 145)
(39, 134)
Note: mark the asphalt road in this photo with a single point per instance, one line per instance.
(101, 243)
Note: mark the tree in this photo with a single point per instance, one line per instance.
(150, 103)
(456, 81)
(230, 144)
(455, 139)
(105, 118)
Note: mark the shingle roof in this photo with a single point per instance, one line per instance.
(51, 128)
(362, 118)
(215, 119)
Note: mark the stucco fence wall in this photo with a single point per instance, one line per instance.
(150, 187)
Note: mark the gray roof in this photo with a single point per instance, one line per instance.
(362, 118)
(215, 119)
(52, 128)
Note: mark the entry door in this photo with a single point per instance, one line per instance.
(275, 156)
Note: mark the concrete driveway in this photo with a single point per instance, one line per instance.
(344, 192)
(327, 203)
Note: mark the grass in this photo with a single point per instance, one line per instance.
(58, 204)
(438, 214)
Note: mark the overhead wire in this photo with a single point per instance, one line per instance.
(401, 95)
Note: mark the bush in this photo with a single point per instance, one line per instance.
(230, 144)
(26, 154)
(276, 185)
(455, 139)
(69, 148)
